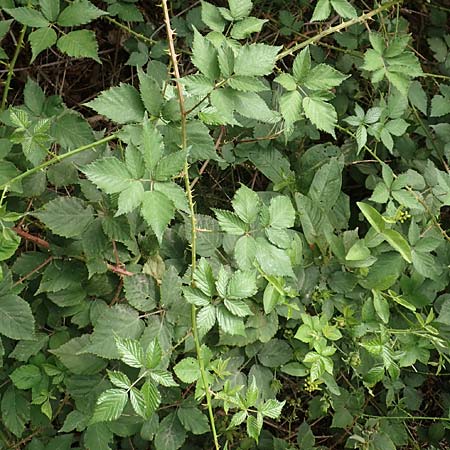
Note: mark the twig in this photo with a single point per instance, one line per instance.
(183, 113)
(336, 28)
(44, 244)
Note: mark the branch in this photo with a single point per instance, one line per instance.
(45, 244)
(336, 28)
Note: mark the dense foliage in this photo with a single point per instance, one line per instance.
(234, 235)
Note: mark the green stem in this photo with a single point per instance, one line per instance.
(441, 419)
(337, 28)
(190, 198)
(12, 64)
(129, 30)
(57, 159)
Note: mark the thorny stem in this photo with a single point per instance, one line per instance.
(183, 112)
(337, 28)
(12, 64)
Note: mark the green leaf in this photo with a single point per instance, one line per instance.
(71, 355)
(151, 397)
(40, 40)
(212, 18)
(28, 16)
(326, 185)
(281, 213)
(321, 11)
(242, 285)
(256, 59)
(122, 104)
(50, 9)
(244, 28)
(131, 198)
(157, 210)
(206, 318)
(9, 243)
(17, 319)
(246, 204)
(237, 419)
(130, 352)
(150, 93)
(140, 292)
(324, 77)
(228, 322)
(320, 113)
(273, 261)
(119, 379)
(163, 377)
(344, 9)
(291, 107)
(272, 408)
(254, 426)
(357, 252)
(80, 44)
(153, 354)
(187, 370)
(66, 216)
(251, 105)
(381, 305)
(80, 12)
(239, 9)
(238, 308)
(25, 377)
(15, 411)
(109, 174)
(152, 147)
(230, 222)
(109, 405)
(170, 166)
(397, 241)
(204, 56)
(247, 84)
(245, 252)
(171, 434)
(373, 216)
(98, 436)
(118, 320)
(193, 420)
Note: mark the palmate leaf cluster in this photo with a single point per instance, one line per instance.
(310, 186)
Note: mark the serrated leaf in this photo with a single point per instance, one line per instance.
(246, 204)
(271, 408)
(344, 9)
(187, 370)
(170, 166)
(211, 17)
(324, 77)
(26, 376)
(130, 352)
(281, 213)
(40, 40)
(122, 104)
(171, 434)
(140, 292)
(151, 397)
(15, 411)
(237, 419)
(251, 105)
(79, 44)
(242, 285)
(193, 420)
(98, 436)
(230, 222)
(119, 379)
(28, 16)
(381, 305)
(50, 9)
(273, 261)
(237, 307)
(228, 322)
(321, 11)
(244, 28)
(150, 93)
(291, 107)
(163, 377)
(254, 426)
(110, 405)
(66, 216)
(204, 56)
(80, 12)
(256, 59)
(157, 210)
(109, 174)
(153, 354)
(320, 113)
(247, 84)
(239, 9)
(206, 318)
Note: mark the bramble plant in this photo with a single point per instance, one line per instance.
(240, 242)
